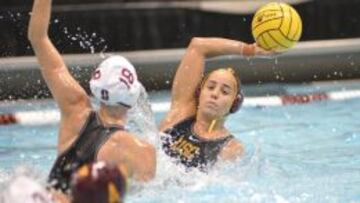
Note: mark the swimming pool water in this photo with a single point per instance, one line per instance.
(297, 153)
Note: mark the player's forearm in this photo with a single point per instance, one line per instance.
(39, 21)
(211, 47)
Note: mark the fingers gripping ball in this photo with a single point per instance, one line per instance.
(276, 27)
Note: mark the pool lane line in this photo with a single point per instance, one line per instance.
(53, 116)
(7, 119)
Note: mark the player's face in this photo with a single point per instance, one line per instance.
(218, 93)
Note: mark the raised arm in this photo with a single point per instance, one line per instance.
(64, 88)
(190, 71)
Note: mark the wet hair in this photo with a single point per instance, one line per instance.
(239, 98)
(98, 183)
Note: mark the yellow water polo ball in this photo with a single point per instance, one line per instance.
(276, 27)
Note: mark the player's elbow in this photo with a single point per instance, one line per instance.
(32, 37)
(148, 164)
(202, 45)
(150, 173)
(36, 37)
(197, 44)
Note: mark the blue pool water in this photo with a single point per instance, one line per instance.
(297, 153)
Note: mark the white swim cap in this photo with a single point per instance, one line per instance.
(23, 189)
(115, 82)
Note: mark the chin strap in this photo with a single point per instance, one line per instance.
(212, 125)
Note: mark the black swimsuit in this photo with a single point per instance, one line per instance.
(83, 150)
(181, 143)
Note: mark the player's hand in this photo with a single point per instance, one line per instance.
(259, 51)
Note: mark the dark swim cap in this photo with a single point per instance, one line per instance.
(98, 183)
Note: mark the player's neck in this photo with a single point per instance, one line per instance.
(113, 115)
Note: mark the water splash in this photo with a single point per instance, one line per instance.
(141, 120)
(21, 184)
(90, 42)
(227, 182)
